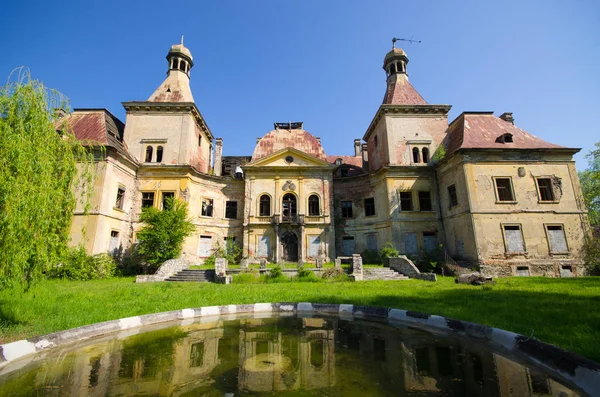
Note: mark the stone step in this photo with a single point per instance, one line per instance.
(193, 275)
(382, 273)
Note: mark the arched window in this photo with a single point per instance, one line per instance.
(264, 205)
(159, 153)
(313, 205)
(148, 154)
(415, 155)
(425, 155)
(289, 207)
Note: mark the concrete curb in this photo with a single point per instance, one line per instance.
(581, 371)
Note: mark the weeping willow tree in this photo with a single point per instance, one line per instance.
(42, 165)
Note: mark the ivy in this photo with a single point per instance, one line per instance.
(40, 171)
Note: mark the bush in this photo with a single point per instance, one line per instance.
(247, 277)
(591, 254)
(276, 275)
(306, 275)
(388, 251)
(371, 257)
(78, 265)
(334, 274)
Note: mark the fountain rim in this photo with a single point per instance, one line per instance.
(583, 372)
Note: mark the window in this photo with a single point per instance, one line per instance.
(231, 209)
(370, 206)
(406, 201)
(347, 245)
(148, 154)
(264, 205)
(165, 197)
(207, 207)
(346, 209)
(415, 155)
(504, 189)
(556, 239)
(313, 205)
(513, 238)
(452, 196)
(159, 154)
(343, 172)
(120, 198)
(199, 140)
(545, 189)
(288, 212)
(147, 199)
(113, 246)
(425, 201)
(338, 161)
(430, 241)
(425, 155)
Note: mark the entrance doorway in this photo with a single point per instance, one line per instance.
(289, 243)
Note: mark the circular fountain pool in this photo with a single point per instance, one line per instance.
(292, 349)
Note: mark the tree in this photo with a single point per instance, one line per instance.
(162, 237)
(39, 169)
(590, 185)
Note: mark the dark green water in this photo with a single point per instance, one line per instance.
(290, 356)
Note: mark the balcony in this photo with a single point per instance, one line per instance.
(290, 219)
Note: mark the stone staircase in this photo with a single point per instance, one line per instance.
(382, 273)
(199, 276)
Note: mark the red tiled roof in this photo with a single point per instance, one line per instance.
(482, 130)
(401, 92)
(280, 139)
(97, 127)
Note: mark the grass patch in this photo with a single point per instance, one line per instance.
(563, 312)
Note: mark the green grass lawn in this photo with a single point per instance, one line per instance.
(564, 312)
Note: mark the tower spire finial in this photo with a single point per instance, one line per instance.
(181, 39)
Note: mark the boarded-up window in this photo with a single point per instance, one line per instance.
(556, 236)
(113, 246)
(514, 238)
(348, 246)
(205, 246)
(429, 241)
(264, 246)
(371, 240)
(410, 244)
(314, 246)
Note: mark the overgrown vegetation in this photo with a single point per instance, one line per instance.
(232, 252)
(163, 233)
(40, 171)
(78, 265)
(590, 185)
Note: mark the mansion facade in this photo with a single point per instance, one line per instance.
(478, 188)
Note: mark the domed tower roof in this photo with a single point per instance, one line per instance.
(399, 90)
(288, 135)
(176, 87)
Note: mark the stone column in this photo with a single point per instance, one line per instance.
(276, 227)
(301, 242)
(357, 268)
(218, 155)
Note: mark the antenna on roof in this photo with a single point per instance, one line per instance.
(395, 39)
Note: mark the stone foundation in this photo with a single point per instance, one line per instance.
(533, 268)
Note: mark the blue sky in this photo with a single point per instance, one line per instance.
(257, 62)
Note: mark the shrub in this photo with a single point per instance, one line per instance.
(306, 275)
(78, 265)
(247, 277)
(388, 251)
(334, 274)
(591, 254)
(276, 275)
(371, 256)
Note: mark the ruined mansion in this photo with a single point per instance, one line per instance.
(478, 190)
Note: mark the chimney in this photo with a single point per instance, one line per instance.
(218, 154)
(508, 117)
(357, 148)
(365, 152)
(318, 138)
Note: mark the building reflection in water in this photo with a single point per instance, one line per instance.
(281, 354)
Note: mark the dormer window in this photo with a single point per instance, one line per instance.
(505, 138)
(338, 161)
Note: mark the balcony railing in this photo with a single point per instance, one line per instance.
(289, 219)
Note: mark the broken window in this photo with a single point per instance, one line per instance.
(425, 152)
(452, 196)
(406, 201)
(514, 239)
(314, 246)
(545, 189)
(120, 198)
(113, 246)
(346, 209)
(167, 200)
(264, 205)
(313, 205)
(197, 354)
(556, 238)
(289, 208)
(147, 199)
(231, 209)
(504, 189)
(207, 207)
(370, 206)
(425, 201)
(344, 172)
(522, 271)
(205, 246)
(415, 155)
(159, 154)
(148, 154)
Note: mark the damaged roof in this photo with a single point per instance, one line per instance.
(97, 127)
(401, 92)
(483, 130)
(353, 164)
(280, 139)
